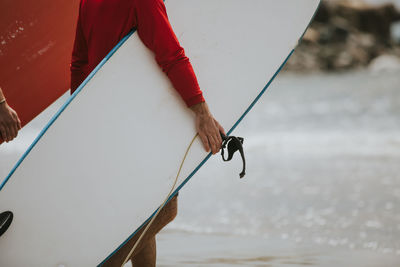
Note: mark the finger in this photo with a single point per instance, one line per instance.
(218, 141)
(3, 132)
(219, 138)
(15, 128)
(18, 122)
(204, 140)
(220, 128)
(213, 143)
(7, 133)
(11, 131)
(210, 142)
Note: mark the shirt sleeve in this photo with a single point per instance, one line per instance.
(157, 34)
(79, 57)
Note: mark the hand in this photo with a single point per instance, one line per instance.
(208, 128)
(9, 123)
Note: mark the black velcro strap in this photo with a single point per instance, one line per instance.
(234, 144)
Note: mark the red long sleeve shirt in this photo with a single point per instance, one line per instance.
(103, 23)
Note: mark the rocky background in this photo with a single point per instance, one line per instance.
(347, 35)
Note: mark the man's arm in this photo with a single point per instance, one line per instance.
(9, 121)
(157, 34)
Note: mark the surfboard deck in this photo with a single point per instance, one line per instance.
(104, 163)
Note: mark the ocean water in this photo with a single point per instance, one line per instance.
(322, 186)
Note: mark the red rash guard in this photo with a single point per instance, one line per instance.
(103, 23)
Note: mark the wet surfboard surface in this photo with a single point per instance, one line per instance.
(109, 157)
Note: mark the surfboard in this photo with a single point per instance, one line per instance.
(108, 158)
(36, 39)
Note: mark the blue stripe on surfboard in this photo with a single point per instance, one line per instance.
(64, 106)
(228, 133)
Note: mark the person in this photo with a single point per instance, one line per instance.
(9, 121)
(101, 25)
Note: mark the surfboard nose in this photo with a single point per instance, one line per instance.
(5, 221)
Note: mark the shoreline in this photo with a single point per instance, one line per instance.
(177, 248)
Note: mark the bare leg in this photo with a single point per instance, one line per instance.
(166, 215)
(147, 256)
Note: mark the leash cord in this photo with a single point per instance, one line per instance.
(162, 205)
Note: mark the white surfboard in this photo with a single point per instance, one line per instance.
(109, 157)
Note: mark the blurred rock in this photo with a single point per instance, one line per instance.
(311, 36)
(395, 32)
(345, 35)
(385, 63)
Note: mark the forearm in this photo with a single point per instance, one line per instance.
(157, 34)
(185, 82)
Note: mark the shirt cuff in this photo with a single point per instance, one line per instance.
(194, 100)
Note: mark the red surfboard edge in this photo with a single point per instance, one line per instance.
(36, 40)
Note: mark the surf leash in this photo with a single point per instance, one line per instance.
(162, 205)
(233, 144)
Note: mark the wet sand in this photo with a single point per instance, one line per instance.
(187, 249)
